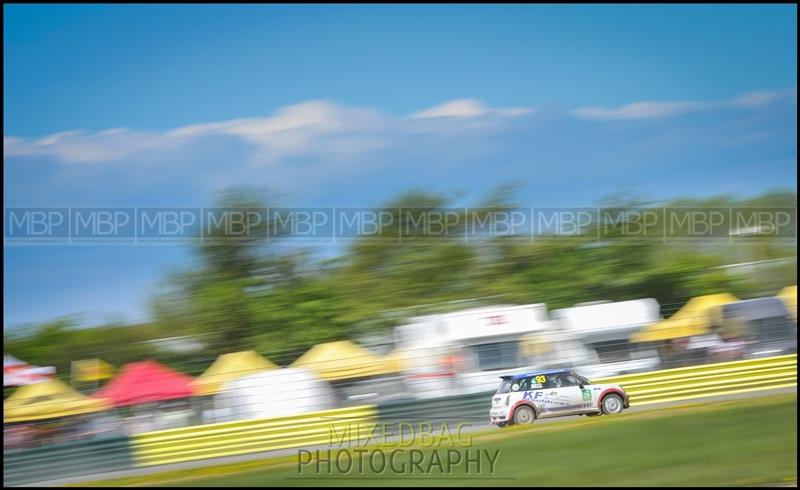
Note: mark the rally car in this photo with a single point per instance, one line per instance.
(523, 398)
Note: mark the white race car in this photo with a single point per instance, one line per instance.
(523, 398)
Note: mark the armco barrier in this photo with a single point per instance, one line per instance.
(21, 466)
(457, 409)
(251, 436)
(708, 380)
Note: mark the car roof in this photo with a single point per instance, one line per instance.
(525, 375)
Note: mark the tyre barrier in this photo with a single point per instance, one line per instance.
(252, 436)
(724, 378)
(22, 466)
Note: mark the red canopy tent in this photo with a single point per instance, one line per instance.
(146, 382)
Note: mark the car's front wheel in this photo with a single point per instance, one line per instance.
(524, 415)
(612, 404)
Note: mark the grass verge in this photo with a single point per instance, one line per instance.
(739, 443)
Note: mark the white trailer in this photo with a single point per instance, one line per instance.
(466, 351)
(602, 329)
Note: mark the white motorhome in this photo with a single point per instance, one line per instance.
(466, 351)
(599, 331)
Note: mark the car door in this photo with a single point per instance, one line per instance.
(562, 395)
(584, 392)
(532, 391)
(589, 391)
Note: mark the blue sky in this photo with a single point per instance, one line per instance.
(346, 105)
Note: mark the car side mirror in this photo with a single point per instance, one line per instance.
(580, 386)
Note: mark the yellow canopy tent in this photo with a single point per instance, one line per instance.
(228, 367)
(695, 318)
(395, 361)
(92, 370)
(335, 361)
(789, 297)
(46, 400)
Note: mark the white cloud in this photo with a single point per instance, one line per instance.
(331, 132)
(87, 147)
(763, 97)
(467, 108)
(310, 128)
(638, 110)
(657, 109)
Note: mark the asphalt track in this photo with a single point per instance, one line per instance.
(472, 428)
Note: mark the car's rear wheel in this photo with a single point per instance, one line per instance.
(612, 404)
(524, 415)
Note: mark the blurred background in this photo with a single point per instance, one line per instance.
(410, 112)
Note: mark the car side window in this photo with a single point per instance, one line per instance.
(521, 385)
(562, 380)
(554, 381)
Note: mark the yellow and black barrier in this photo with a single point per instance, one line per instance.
(249, 436)
(724, 378)
(252, 436)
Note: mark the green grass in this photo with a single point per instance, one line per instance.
(745, 442)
